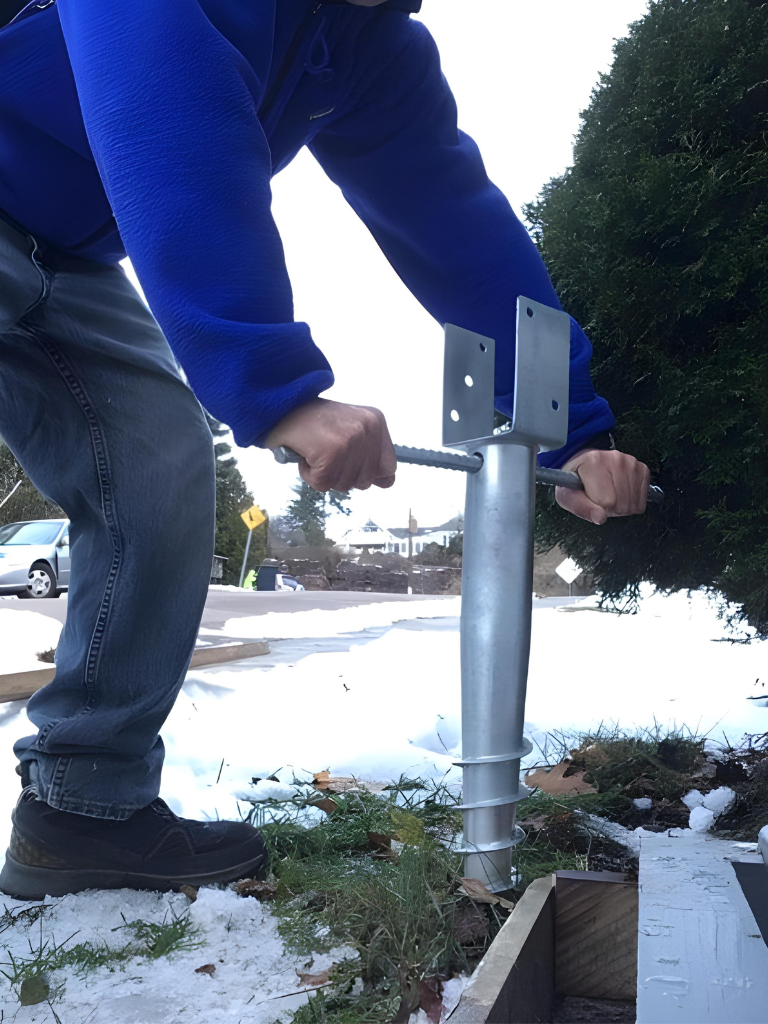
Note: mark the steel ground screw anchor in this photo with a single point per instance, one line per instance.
(497, 574)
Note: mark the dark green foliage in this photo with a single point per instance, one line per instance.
(657, 241)
(26, 502)
(232, 498)
(310, 509)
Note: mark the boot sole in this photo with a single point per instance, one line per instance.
(21, 882)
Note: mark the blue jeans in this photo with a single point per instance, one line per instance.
(94, 408)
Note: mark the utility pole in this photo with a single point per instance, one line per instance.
(413, 529)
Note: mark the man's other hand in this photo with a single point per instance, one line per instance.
(615, 484)
(341, 446)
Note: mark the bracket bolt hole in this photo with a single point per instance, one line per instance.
(483, 347)
(468, 381)
(555, 405)
(454, 416)
(529, 311)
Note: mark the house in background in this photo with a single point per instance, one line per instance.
(394, 541)
(370, 537)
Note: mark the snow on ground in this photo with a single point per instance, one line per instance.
(254, 980)
(385, 702)
(22, 636)
(322, 622)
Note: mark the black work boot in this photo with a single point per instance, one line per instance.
(53, 853)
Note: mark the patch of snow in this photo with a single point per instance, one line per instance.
(254, 979)
(612, 830)
(643, 803)
(762, 843)
(23, 635)
(701, 819)
(266, 789)
(719, 800)
(705, 809)
(693, 799)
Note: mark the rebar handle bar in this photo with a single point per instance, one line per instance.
(470, 464)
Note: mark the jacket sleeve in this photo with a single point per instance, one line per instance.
(420, 186)
(170, 108)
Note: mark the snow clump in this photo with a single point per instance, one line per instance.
(701, 819)
(693, 799)
(706, 809)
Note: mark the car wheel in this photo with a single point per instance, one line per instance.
(42, 583)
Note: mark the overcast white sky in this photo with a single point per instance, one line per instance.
(521, 71)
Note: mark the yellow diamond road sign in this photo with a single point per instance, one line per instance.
(253, 517)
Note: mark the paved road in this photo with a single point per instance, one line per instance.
(222, 605)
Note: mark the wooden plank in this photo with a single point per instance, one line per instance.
(514, 982)
(595, 935)
(701, 957)
(21, 685)
(224, 653)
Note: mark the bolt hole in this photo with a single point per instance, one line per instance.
(468, 381)
(529, 311)
(454, 416)
(555, 405)
(482, 347)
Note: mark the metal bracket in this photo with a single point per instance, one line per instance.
(542, 363)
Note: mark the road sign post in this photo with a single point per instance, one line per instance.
(569, 571)
(252, 518)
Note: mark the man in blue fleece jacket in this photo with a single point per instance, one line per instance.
(152, 129)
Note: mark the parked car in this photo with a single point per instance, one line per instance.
(285, 582)
(34, 558)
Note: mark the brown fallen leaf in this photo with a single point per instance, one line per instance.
(327, 805)
(554, 783)
(382, 845)
(190, 891)
(253, 887)
(431, 999)
(479, 893)
(328, 783)
(206, 969)
(314, 979)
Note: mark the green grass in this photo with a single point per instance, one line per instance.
(149, 940)
(398, 912)
(404, 917)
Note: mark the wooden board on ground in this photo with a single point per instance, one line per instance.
(595, 935)
(514, 982)
(21, 685)
(701, 957)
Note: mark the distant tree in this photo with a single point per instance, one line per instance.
(656, 241)
(436, 554)
(310, 509)
(26, 502)
(232, 498)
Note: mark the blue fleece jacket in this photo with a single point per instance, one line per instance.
(153, 128)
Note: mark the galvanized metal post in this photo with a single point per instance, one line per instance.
(495, 642)
(497, 577)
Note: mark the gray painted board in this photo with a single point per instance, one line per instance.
(701, 958)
